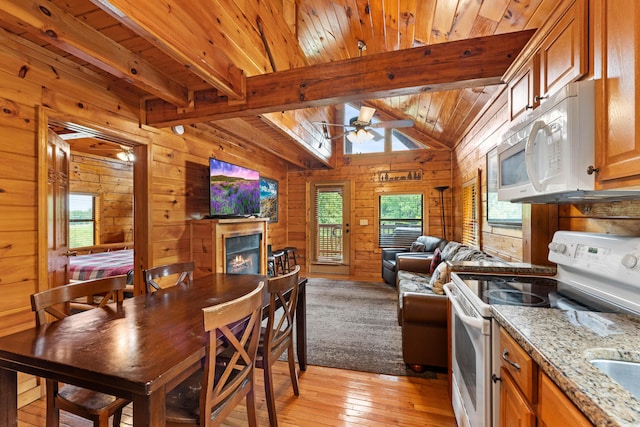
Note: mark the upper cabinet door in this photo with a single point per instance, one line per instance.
(523, 89)
(562, 57)
(564, 52)
(617, 42)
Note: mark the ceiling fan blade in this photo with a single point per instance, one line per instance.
(366, 113)
(393, 124)
(332, 124)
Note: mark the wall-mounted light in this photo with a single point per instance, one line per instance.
(178, 129)
(126, 155)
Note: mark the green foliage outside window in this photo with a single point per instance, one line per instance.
(81, 220)
(329, 209)
(401, 218)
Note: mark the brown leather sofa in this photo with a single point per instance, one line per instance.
(422, 305)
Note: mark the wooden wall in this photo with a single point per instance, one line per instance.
(362, 172)
(180, 192)
(111, 182)
(175, 187)
(469, 158)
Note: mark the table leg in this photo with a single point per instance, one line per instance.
(301, 325)
(8, 398)
(150, 410)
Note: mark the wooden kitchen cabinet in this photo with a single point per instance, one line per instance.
(616, 55)
(515, 409)
(523, 88)
(528, 395)
(518, 384)
(555, 409)
(561, 58)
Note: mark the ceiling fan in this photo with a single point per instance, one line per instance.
(358, 126)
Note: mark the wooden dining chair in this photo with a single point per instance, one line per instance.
(58, 303)
(277, 336)
(182, 272)
(209, 395)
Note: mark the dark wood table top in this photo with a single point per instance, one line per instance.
(132, 350)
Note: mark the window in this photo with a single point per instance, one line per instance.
(499, 211)
(400, 219)
(82, 220)
(470, 214)
(329, 219)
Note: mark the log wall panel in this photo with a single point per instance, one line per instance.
(362, 172)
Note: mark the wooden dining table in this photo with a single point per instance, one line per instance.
(137, 350)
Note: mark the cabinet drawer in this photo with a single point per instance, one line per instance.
(519, 364)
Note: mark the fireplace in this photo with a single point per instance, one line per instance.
(229, 245)
(243, 254)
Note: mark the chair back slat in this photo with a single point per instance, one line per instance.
(182, 270)
(58, 301)
(234, 333)
(280, 330)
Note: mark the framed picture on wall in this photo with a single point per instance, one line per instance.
(499, 212)
(269, 199)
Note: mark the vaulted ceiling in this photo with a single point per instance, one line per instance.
(269, 70)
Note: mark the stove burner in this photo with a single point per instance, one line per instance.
(514, 297)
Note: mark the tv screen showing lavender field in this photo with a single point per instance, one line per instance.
(233, 190)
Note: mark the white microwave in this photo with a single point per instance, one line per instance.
(546, 157)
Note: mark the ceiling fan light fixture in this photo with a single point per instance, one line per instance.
(126, 155)
(359, 136)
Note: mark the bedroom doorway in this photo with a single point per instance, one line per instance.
(117, 141)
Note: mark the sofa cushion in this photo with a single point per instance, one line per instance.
(450, 250)
(409, 281)
(437, 259)
(439, 277)
(417, 247)
(466, 253)
(430, 242)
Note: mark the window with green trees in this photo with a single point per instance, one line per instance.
(401, 219)
(82, 220)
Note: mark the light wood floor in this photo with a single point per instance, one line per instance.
(328, 397)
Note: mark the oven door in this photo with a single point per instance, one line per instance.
(470, 361)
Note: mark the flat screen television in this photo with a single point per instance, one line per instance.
(234, 191)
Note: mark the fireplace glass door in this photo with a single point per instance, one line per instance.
(243, 254)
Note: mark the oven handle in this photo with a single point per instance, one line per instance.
(474, 322)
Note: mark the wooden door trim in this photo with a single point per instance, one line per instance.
(119, 130)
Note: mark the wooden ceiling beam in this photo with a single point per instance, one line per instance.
(55, 26)
(174, 28)
(454, 65)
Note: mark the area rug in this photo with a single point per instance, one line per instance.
(353, 325)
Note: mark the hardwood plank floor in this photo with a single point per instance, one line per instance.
(328, 397)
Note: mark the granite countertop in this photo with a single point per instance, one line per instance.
(563, 342)
(500, 267)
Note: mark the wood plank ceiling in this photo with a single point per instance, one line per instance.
(276, 66)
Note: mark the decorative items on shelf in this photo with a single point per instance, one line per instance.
(403, 175)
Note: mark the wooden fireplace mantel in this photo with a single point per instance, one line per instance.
(207, 242)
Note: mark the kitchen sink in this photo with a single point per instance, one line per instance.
(627, 374)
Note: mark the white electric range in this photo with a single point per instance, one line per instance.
(595, 272)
